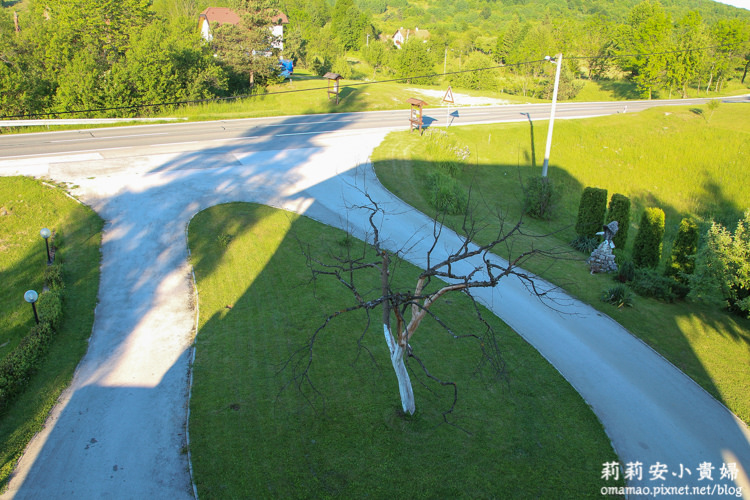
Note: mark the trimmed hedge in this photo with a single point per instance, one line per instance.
(591, 211)
(648, 240)
(53, 277)
(20, 364)
(49, 307)
(682, 260)
(619, 210)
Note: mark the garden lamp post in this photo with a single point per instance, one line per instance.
(558, 61)
(46, 233)
(31, 296)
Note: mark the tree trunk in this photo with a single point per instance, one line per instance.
(404, 383)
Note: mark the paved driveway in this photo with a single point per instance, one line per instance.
(119, 430)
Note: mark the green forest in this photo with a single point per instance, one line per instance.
(87, 58)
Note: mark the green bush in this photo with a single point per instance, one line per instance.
(53, 277)
(585, 244)
(618, 295)
(538, 197)
(591, 211)
(445, 194)
(320, 65)
(682, 260)
(649, 283)
(648, 240)
(18, 366)
(626, 271)
(342, 67)
(49, 307)
(722, 270)
(619, 210)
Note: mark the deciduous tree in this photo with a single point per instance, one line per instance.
(464, 268)
(644, 40)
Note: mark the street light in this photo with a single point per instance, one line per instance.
(46, 233)
(31, 296)
(558, 61)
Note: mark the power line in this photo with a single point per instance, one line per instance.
(376, 82)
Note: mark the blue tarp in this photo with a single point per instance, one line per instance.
(287, 67)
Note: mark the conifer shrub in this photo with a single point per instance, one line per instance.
(619, 210)
(648, 240)
(538, 197)
(682, 259)
(591, 211)
(722, 270)
(626, 271)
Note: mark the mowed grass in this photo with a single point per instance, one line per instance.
(684, 160)
(26, 206)
(532, 437)
(308, 94)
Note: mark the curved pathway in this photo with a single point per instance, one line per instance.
(119, 430)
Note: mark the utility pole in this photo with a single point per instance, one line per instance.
(558, 61)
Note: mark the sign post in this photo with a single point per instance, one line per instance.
(448, 99)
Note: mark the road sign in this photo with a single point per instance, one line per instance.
(448, 95)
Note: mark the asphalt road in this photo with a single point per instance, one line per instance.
(118, 431)
(290, 128)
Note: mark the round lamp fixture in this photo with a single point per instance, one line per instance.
(31, 296)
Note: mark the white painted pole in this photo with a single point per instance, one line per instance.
(558, 61)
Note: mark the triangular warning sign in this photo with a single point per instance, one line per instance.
(448, 96)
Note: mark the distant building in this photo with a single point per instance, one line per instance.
(402, 36)
(224, 15)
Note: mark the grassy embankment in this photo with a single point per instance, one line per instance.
(684, 160)
(534, 437)
(26, 206)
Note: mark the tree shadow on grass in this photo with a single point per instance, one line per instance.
(144, 264)
(621, 90)
(341, 451)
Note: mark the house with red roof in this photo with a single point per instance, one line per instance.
(225, 15)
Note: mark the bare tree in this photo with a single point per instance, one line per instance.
(442, 275)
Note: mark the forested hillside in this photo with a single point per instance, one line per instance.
(121, 57)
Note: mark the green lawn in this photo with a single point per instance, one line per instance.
(533, 437)
(681, 159)
(27, 205)
(308, 94)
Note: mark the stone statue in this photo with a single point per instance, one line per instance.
(609, 231)
(602, 259)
